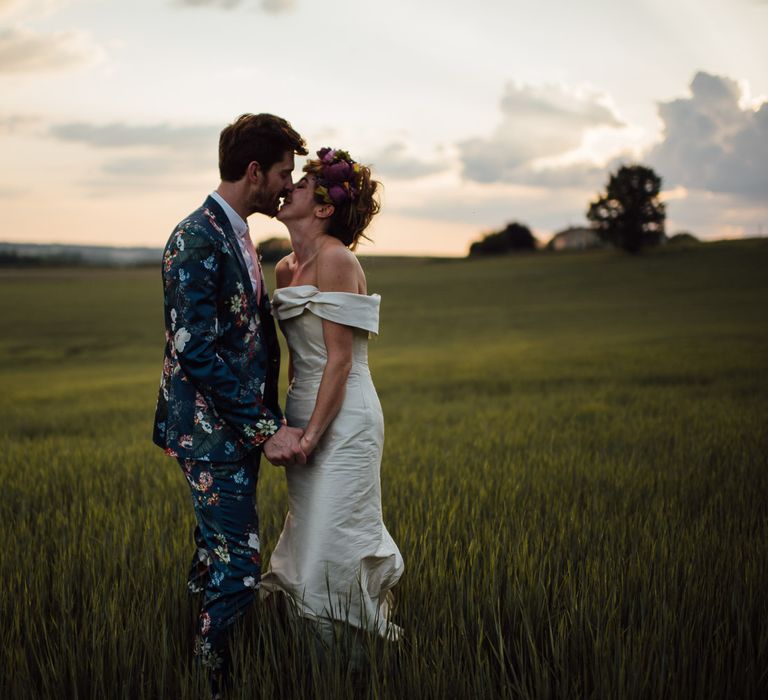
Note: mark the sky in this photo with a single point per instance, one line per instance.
(471, 114)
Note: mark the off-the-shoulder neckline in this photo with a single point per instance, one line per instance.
(312, 286)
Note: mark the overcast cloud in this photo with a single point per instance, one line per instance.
(117, 135)
(273, 6)
(711, 143)
(393, 161)
(26, 51)
(537, 122)
(12, 123)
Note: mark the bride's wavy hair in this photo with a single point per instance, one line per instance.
(349, 187)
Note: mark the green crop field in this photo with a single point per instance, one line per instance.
(576, 472)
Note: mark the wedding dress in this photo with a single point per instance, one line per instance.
(335, 558)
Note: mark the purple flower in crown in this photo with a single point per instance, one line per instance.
(326, 155)
(338, 194)
(338, 172)
(338, 179)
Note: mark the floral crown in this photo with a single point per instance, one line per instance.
(339, 178)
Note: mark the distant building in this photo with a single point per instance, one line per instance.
(575, 238)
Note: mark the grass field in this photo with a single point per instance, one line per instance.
(576, 472)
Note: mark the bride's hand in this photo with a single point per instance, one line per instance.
(307, 445)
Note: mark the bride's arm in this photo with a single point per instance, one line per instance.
(283, 275)
(337, 271)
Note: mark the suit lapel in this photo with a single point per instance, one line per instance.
(222, 221)
(263, 308)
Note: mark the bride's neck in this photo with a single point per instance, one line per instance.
(305, 241)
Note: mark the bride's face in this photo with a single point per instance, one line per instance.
(299, 203)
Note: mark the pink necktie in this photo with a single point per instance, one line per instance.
(256, 264)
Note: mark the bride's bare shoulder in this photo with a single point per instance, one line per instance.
(284, 270)
(339, 270)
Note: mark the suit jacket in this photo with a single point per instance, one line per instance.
(218, 391)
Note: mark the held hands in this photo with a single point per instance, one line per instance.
(284, 448)
(307, 445)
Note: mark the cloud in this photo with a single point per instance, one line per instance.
(537, 122)
(137, 167)
(276, 6)
(119, 135)
(224, 4)
(583, 176)
(10, 192)
(7, 7)
(271, 6)
(26, 51)
(13, 123)
(168, 172)
(711, 143)
(139, 158)
(488, 207)
(32, 8)
(393, 161)
(716, 215)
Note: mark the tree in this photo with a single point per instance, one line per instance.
(514, 237)
(273, 249)
(630, 214)
(683, 238)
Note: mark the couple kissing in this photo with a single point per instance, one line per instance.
(218, 407)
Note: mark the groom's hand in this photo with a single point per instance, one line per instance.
(283, 449)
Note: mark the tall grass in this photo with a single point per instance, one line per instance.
(575, 471)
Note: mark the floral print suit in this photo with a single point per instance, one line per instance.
(217, 404)
(218, 391)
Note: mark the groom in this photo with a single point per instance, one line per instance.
(217, 408)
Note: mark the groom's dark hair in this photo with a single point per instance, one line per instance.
(261, 137)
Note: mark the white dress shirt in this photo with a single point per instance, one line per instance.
(240, 227)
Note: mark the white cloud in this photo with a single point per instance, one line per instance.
(711, 143)
(11, 192)
(26, 51)
(13, 123)
(716, 215)
(537, 122)
(141, 158)
(394, 161)
(137, 167)
(272, 6)
(489, 206)
(119, 135)
(173, 172)
(224, 4)
(278, 5)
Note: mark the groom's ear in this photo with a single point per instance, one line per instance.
(254, 173)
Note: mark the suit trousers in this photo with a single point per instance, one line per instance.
(226, 566)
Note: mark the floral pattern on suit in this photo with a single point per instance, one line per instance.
(218, 390)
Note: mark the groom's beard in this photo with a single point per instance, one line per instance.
(266, 202)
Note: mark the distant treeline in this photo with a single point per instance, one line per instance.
(14, 259)
(65, 255)
(31, 255)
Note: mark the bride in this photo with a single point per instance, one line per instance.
(335, 558)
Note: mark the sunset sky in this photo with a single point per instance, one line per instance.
(473, 114)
